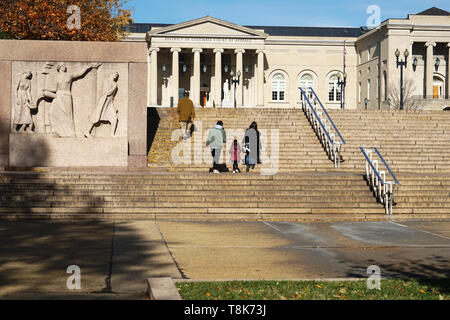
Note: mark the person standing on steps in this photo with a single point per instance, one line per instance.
(186, 115)
(216, 138)
(252, 146)
(235, 156)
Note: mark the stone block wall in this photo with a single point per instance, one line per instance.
(87, 107)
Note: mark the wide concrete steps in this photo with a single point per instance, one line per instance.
(297, 148)
(188, 194)
(415, 142)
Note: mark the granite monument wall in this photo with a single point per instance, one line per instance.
(73, 104)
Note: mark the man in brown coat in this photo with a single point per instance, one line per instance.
(186, 113)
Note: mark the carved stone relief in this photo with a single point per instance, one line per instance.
(22, 119)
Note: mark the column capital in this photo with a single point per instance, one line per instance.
(448, 45)
(218, 50)
(239, 51)
(428, 44)
(197, 50)
(150, 50)
(259, 51)
(175, 49)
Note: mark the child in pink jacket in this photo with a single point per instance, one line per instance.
(235, 155)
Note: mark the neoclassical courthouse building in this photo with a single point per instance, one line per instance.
(205, 55)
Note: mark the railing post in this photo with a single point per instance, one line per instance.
(319, 120)
(383, 190)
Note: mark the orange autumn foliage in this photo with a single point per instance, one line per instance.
(101, 20)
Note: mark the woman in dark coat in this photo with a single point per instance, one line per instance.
(252, 146)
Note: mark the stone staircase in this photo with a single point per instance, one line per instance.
(306, 183)
(416, 146)
(297, 146)
(179, 195)
(417, 142)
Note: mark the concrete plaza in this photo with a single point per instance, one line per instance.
(116, 258)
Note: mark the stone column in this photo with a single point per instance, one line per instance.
(448, 72)
(260, 78)
(429, 70)
(196, 84)
(239, 68)
(175, 74)
(409, 68)
(218, 78)
(153, 76)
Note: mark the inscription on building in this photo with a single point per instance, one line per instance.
(209, 39)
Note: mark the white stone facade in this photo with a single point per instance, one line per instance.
(208, 51)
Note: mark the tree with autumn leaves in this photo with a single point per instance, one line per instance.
(99, 20)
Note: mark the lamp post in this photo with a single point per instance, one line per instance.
(342, 85)
(401, 64)
(235, 81)
(366, 102)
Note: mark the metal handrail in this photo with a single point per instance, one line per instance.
(369, 161)
(383, 190)
(317, 117)
(332, 147)
(328, 116)
(386, 165)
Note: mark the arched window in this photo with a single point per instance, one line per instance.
(307, 82)
(278, 87)
(334, 90)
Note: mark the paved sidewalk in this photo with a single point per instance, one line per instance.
(115, 259)
(286, 250)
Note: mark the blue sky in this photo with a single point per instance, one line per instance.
(318, 13)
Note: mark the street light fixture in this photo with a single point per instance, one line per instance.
(401, 64)
(438, 63)
(235, 81)
(366, 102)
(342, 85)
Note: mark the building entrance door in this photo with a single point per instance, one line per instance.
(438, 86)
(435, 92)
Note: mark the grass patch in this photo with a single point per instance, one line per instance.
(313, 290)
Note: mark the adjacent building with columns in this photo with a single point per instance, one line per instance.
(263, 66)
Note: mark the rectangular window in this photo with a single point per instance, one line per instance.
(278, 95)
(338, 95)
(331, 94)
(368, 89)
(274, 96)
(359, 92)
(378, 91)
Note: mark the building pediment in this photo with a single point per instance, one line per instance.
(206, 27)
